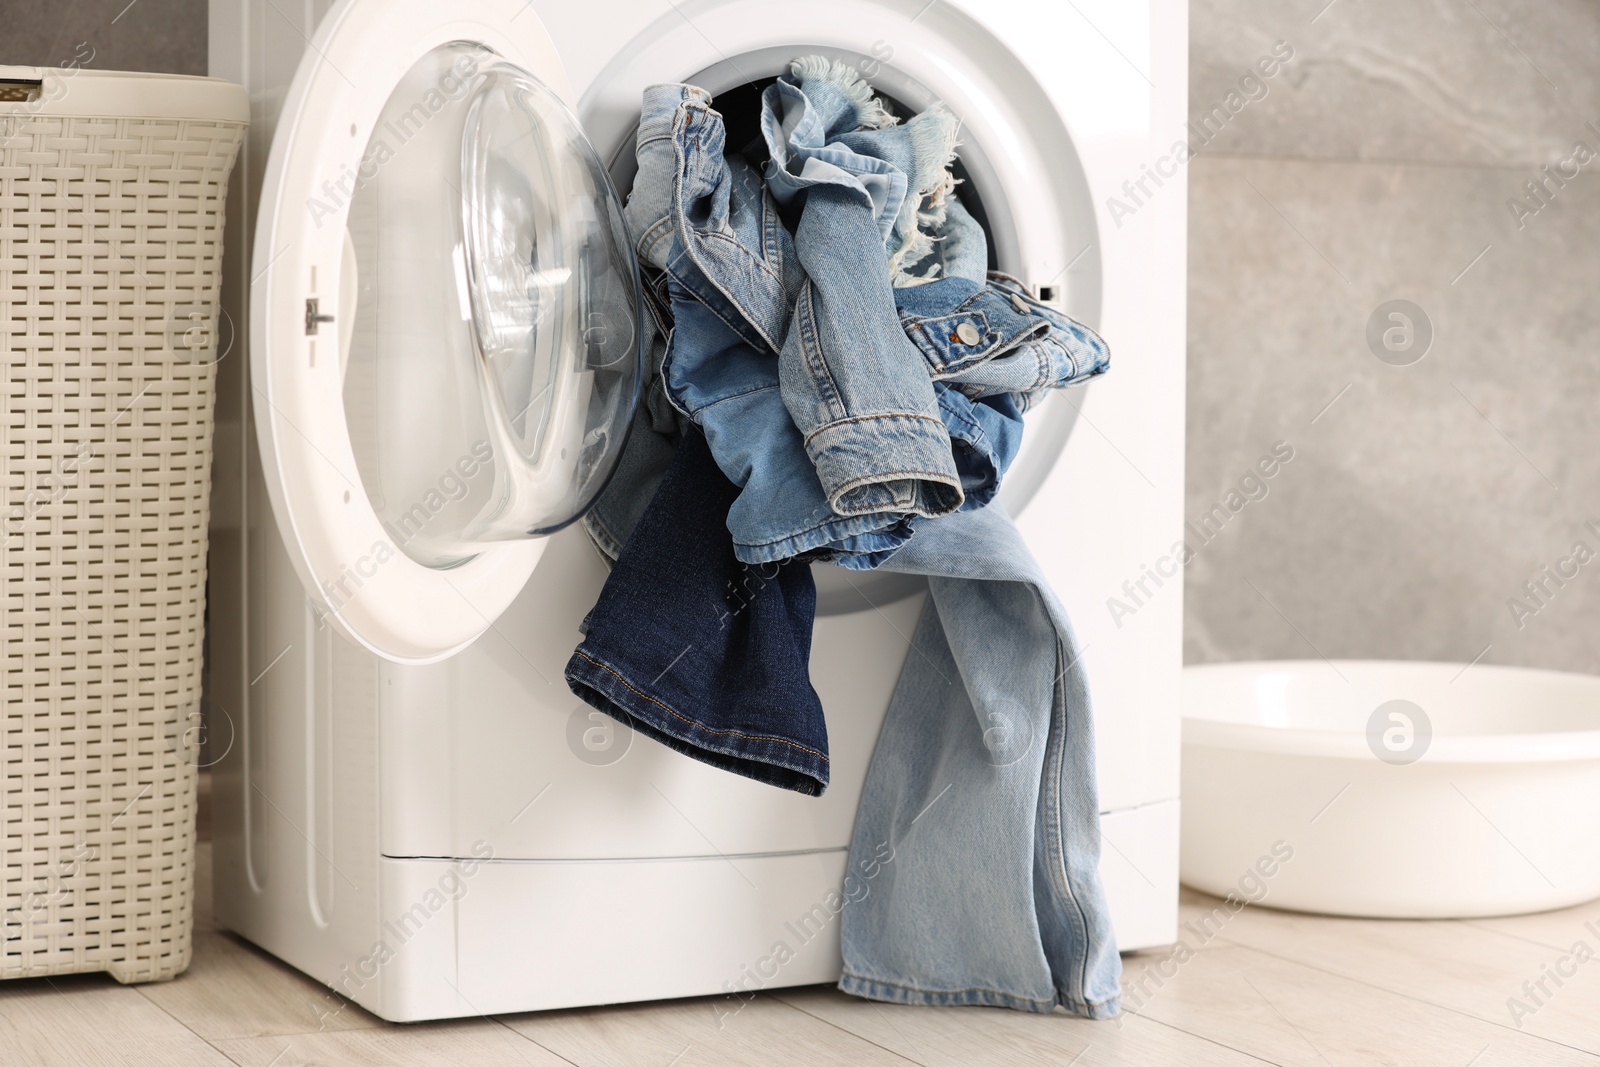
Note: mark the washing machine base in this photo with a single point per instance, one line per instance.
(483, 936)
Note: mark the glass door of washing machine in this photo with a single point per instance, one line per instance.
(461, 378)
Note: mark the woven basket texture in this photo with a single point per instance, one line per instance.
(110, 260)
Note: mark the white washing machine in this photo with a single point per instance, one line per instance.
(409, 803)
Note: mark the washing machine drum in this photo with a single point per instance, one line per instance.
(464, 258)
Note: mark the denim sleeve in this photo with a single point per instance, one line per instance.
(997, 338)
(856, 387)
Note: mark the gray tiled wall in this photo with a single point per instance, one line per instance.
(159, 35)
(1378, 165)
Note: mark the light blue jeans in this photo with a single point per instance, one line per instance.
(983, 786)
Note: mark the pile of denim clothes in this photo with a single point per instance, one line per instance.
(836, 376)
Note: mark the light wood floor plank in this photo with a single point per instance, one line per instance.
(1554, 929)
(705, 1032)
(1295, 1015)
(1201, 920)
(90, 1021)
(233, 989)
(964, 1037)
(474, 1043)
(1453, 965)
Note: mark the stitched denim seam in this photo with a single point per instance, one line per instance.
(606, 539)
(653, 236)
(1044, 361)
(894, 415)
(708, 405)
(931, 349)
(895, 475)
(771, 227)
(896, 506)
(934, 350)
(1039, 307)
(964, 419)
(1012, 286)
(692, 722)
(980, 316)
(734, 328)
(1039, 330)
(811, 351)
(755, 260)
(801, 535)
(969, 301)
(1043, 1006)
(690, 249)
(951, 992)
(1060, 883)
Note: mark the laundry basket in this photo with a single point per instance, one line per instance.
(111, 217)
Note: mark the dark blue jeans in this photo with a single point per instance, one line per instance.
(703, 653)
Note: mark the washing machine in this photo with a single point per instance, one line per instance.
(410, 805)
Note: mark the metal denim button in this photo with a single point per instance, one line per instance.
(1016, 302)
(968, 334)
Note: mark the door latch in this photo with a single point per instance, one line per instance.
(313, 317)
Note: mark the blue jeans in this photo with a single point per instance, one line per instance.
(983, 784)
(700, 652)
(983, 778)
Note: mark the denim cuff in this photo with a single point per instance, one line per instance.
(769, 758)
(867, 539)
(896, 462)
(894, 993)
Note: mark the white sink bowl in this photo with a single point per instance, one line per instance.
(1495, 810)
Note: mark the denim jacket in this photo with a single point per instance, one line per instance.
(846, 410)
(850, 381)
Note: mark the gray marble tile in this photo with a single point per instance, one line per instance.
(160, 35)
(1417, 504)
(1464, 81)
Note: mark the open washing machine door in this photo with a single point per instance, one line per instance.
(444, 320)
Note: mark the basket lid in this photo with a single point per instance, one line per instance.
(70, 89)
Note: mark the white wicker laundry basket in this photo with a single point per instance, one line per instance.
(112, 189)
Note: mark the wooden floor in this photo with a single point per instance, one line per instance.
(1265, 987)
